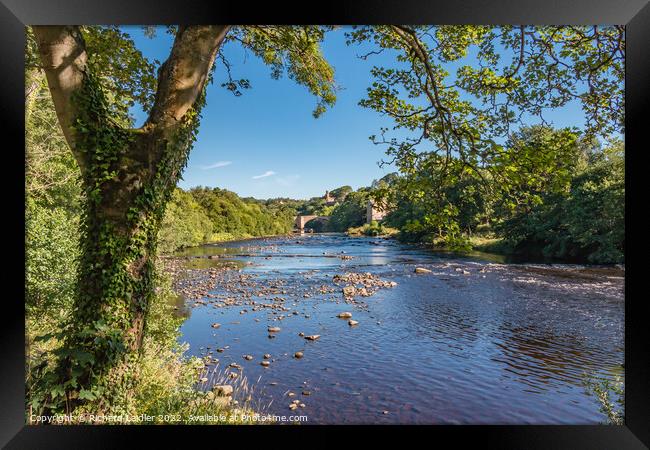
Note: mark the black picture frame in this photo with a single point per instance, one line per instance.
(635, 14)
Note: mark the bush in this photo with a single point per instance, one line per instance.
(603, 390)
(50, 260)
(350, 213)
(373, 228)
(185, 224)
(586, 223)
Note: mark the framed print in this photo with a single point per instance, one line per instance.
(396, 216)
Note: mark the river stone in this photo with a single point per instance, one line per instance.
(345, 315)
(353, 322)
(312, 337)
(348, 291)
(422, 270)
(273, 329)
(265, 363)
(223, 390)
(298, 355)
(267, 356)
(216, 325)
(248, 357)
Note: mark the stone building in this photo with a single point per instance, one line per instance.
(329, 200)
(374, 212)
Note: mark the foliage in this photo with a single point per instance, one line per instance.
(315, 206)
(124, 74)
(51, 211)
(373, 228)
(350, 213)
(612, 409)
(554, 195)
(341, 192)
(291, 49)
(587, 222)
(161, 382)
(51, 172)
(185, 223)
(238, 217)
(203, 215)
(456, 150)
(50, 259)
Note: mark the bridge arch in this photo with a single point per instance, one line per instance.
(301, 221)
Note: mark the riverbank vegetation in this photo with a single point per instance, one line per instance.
(203, 215)
(571, 208)
(611, 397)
(567, 203)
(373, 228)
(474, 151)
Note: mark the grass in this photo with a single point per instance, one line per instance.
(488, 244)
(372, 229)
(610, 396)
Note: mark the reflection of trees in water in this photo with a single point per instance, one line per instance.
(544, 360)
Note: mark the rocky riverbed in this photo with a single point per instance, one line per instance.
(362, 330)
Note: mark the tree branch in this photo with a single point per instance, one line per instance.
(63, 56)
(182, 77)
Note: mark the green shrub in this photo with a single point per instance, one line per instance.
(612, 408)
(373, 228)
(185, 224)
(51, 253)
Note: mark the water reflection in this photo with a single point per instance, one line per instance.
(474, 341)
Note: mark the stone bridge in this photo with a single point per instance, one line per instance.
(302, 220)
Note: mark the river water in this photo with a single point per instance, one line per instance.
(476, 341)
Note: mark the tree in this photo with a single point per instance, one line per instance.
(350, 213)
(128, 174)
(341, 192)
(464, 119)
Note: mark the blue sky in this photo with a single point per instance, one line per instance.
(266, 143)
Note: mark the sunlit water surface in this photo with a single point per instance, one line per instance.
(504, 343)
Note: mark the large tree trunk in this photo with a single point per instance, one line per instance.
(128, 178)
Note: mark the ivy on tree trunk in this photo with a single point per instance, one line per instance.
(128, 177)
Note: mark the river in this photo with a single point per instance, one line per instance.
(475, 341)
